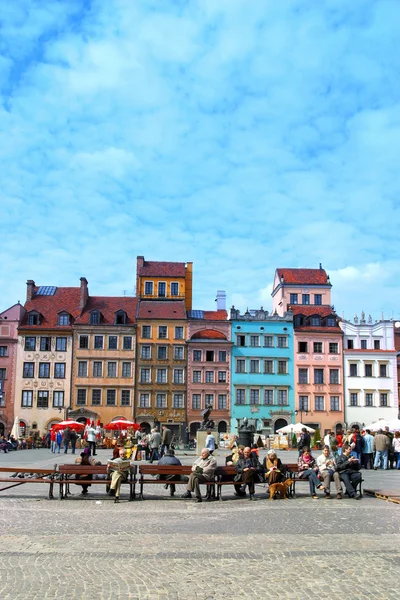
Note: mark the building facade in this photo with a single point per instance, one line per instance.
(164, 281)
(307, 287)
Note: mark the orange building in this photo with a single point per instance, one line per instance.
(164, 281)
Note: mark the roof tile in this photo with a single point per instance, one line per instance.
(162, 309)
(304, 276)
(162, 269)
(64, 299)
(108, 306)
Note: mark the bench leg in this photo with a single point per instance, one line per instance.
(51, 496)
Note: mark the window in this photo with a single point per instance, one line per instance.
(363, 344)
(44, 370)
(112, 369)
(2, 400)
(268, 341)
(222, 356)
(334, 376)
(303, 403)
(125, 398)
(45, 344)
(196, 376)
(317, 298)
(377, 344)
(179, 353)
(240, 365)
(27, 399)
(83, 342)
(282, 367)
(209, 376)
(254, 396)
(293, 299)
(179, 333)
(81, 398)
(111, 398)
(146, 331)
(196, 355)
(144, 401)
(382, 370)
(268, 397)
(162, 332)
(303, 375)
(98, 342)
(331, 322)
(254, 366)
(161, 375)
(161, 401)
(335, 405)
(94, 317)
(222, 405)
(368, 370)
(305, 299)
(318, 376)
(210, 355)
(369, 399)
(174, 289)
(318, 347)
(59, 371)
(298, 320)
(209, 400)
(112, 342)
(383, 399)
(353, 370)
(63, 319)
(178, 376)
(162, 286)
(319, 403)
(145, 376)
(127, 342)
(196, 401)
(43, 399)
(61, 344)
(177, 401)
(240, 340)
(315, 321)
(29, 369)
(3, 373)
(353, 399)
(82, 368)
(333, 348)
(33, 319)
(269, 367)
(254, 341)
(162, 352)
(282, 341)
(145, 352)
(120, 317)
(282, 397)
(240, 396)
(30, 343)
(96, 397)
(58, 399)
(126, 369)
(303, 347)
(350, 344)
(148, 288)
(97, 369)
(221, 376)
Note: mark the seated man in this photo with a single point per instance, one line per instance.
(248, 468)
(119, 469)
(202, 471)
(170, 459)
(326, 466)
(348, 466)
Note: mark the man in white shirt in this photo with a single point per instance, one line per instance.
(326, 466)
(91, 438)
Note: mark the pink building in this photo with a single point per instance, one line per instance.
(9, 321)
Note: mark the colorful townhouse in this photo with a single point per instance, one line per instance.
(262, 369)
(397, 347)
(104, 342)
(209, 367)
(370, 364)
(9, 322)
(318, 347)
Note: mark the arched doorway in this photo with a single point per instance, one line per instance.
(145, 426)
(2, 428)
(338, 427)
(193, 429)
(22, 426)
(222, 427)
(279, 423)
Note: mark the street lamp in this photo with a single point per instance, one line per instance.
(301, 411)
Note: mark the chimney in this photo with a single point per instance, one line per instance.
(84, 293)
(221, 300)
(30, 289)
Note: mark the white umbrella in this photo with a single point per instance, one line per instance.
(381, 424)
(16, 429)
(394, 425)
(295, 428)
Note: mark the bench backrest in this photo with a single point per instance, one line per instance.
(165, 469)
(226, 470)
(293, 467)
(27, 470)
(83, 469)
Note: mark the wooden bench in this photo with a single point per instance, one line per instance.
(226, 476)
(68, 475)
(292, 471)
(158, 474)
(38, 475)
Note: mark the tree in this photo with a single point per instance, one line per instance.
(294, 441)
(317, 437)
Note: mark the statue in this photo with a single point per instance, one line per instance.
(355, 319)
(369, 319)
(362, 317)
(207, 422)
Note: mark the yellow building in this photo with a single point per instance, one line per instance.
(164, 281)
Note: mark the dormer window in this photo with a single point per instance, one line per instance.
(298, 320)
(148, 288)
(120, 317)
(63, 318)
(33, 318)
(94, 317)
(330, 322)
(315, 321)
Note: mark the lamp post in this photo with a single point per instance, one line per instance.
(301, 411)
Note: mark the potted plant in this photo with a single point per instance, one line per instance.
(317, 439)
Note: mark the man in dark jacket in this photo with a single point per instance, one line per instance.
(348, 466)
(170, 459)
(249, 468)
(166, 439)
(304, 441)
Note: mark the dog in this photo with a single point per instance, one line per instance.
(280, 488)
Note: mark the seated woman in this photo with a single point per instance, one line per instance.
(273, 468)
(308, 470)
(85, 460)
(231, 461)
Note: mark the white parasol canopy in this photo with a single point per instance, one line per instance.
(16, 429)
(381, 424)
(295, 428)
(394, 425)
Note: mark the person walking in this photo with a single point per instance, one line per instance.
(91, 439)
(166, 439)
(53, 441)
(367, 449)
(210, 441)
(396, 448)
(67, 439)
(155, 442)
(59, 439)
(381, 447)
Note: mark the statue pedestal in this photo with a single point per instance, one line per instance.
(201, 440)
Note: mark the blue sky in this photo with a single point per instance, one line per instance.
(240, 135)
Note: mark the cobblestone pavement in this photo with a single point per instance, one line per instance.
(90, 548)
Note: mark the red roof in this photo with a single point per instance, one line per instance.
(304, 276)
(215, 315)
(108, 306)
(64, 299)
(162, 309)
(162, 269)
(322, 310)
(209, 334)
(316, 329)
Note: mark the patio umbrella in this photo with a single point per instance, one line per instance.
(381, 424)
(121, 424)
(394, 425)
(68, 423)
(16, 429)
(295, 428)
